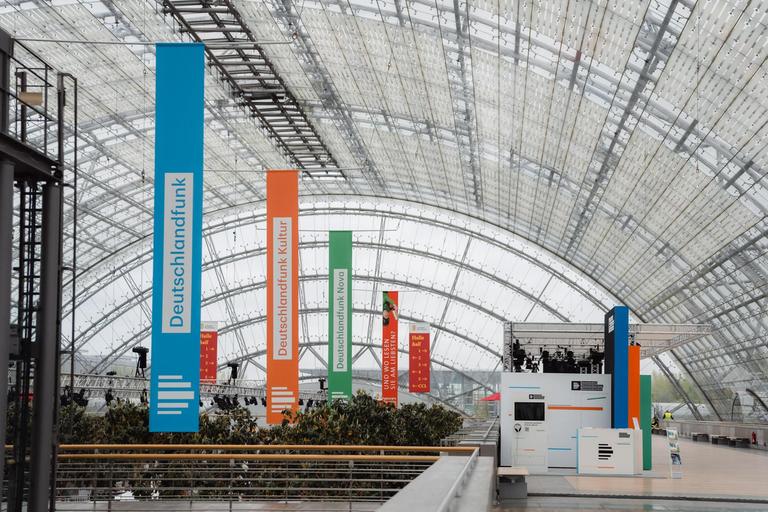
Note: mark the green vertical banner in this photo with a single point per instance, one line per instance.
(646, 411)
(340, 315)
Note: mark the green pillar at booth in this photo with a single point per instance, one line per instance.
(646, 410)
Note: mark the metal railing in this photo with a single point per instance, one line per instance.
(474, 431)
(175, 477)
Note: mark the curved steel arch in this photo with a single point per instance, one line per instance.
(123, 347)
(262, 318)
(365, 311)
(404, 388)
(261, 352)
(659, 113)
(254, 217)
(143, 295)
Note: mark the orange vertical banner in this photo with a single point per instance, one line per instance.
(633, 377)
(389, 347)
(282, 293)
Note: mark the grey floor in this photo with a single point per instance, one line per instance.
(624, 505)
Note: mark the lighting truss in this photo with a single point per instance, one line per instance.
(233, 50)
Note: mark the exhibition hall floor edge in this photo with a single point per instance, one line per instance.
(710, 472)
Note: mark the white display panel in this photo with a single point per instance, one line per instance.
(610, 451)
(572, 401)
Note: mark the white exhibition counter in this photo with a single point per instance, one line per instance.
(610, 451)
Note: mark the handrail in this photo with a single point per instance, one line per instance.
(453, 492)
(247, 456)
(264, 447)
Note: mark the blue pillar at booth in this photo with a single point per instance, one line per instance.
(617, 363)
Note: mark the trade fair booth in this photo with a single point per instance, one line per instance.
(572, 396)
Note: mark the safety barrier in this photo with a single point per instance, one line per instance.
(176, 477)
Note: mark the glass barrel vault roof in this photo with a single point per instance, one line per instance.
(509, 159)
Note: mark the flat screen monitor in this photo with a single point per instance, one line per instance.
(529, 411)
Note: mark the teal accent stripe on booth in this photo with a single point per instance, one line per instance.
(178, 219)
(646, 413)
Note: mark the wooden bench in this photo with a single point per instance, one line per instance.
(511, 483)
(741, 442)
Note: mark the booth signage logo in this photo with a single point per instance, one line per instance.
(177, 252)
(585, 385)
(282, 292)
(535, 397)
(340, 318)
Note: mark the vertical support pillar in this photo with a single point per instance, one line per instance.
(6, 51)
(633, 385)
(617, 362)
(646, 411)
(46, 387)
(6, 250)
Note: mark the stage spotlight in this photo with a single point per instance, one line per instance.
(232, 372)
(141, 364)
(80, 398)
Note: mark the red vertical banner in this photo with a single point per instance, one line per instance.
(282, 293)
(389, 348)
(209, 352)
(418, 358)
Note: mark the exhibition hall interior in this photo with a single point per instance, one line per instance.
(384, 255)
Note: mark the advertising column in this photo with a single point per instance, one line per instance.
(178, 216)
(389, 348)
(418, 358)
(282, 293)
(209, 352)
(340, 315)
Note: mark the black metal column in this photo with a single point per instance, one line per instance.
(6, 51)
(46, 387)
(6, 236)
(6, 245)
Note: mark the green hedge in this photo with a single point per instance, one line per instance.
(362, 420)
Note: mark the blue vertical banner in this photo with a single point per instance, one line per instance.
(176, 271)
(617, 363)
